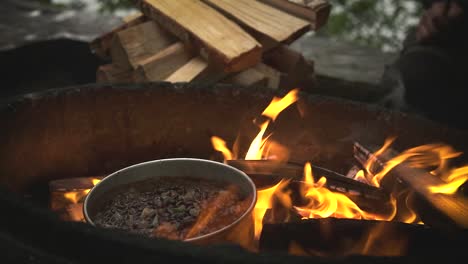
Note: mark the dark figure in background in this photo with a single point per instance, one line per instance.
(431, 74)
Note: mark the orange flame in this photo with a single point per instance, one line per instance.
(426, 157)
(277, 105)
(325, 203)
(258, 147)
(220, 145)
(75, 197)
(264, 202)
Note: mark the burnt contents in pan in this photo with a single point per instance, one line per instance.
(173, 208)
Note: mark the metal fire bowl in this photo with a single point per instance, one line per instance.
(97, 129)
(178, 167)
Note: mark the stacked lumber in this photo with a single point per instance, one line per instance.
(242, 42)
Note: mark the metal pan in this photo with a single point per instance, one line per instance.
(178, 167)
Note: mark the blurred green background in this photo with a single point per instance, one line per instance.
(380, 24)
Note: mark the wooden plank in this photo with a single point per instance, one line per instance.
(264, 19)
(190, 71)
(316, 12)
(110, 73)
(216, 38)
(139, 42)
(102, 44)
(161, 65)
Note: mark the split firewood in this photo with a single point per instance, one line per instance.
(262, 19)
(248, 78)
(102, 44)
(314, 11)
(110, 73)
(164, 63)
(273, 76)
(139, 42)
(190, 71)
(296, 71)
(216, 38)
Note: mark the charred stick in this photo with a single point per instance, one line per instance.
(454, 206)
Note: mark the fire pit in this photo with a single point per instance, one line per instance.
(94, 130)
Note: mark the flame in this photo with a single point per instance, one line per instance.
(452, 182)
(277, 105)
(265, 202)
(75, 197)
(95, 181)
(257, 146)
(324, 203)
(220, 145)
(361, 176)
(425, 157)
(321, 202)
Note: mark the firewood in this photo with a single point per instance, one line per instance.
(139, 42)
(161, 65)
(297, 71)
(273, 76)
(110, 73)
(273, 23)
(190, 71)
(315, 11)
(216, 38)
(248, 78)
(455, 207)
(101, 45)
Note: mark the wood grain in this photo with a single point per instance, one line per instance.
(316, 12)
(216, 38)
(190, 71)
(139, 42)
(161, 65)
(264, 19)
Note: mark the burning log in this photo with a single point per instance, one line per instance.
(340, 237)
(67, 196)
(454, 207)
(267, 172)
